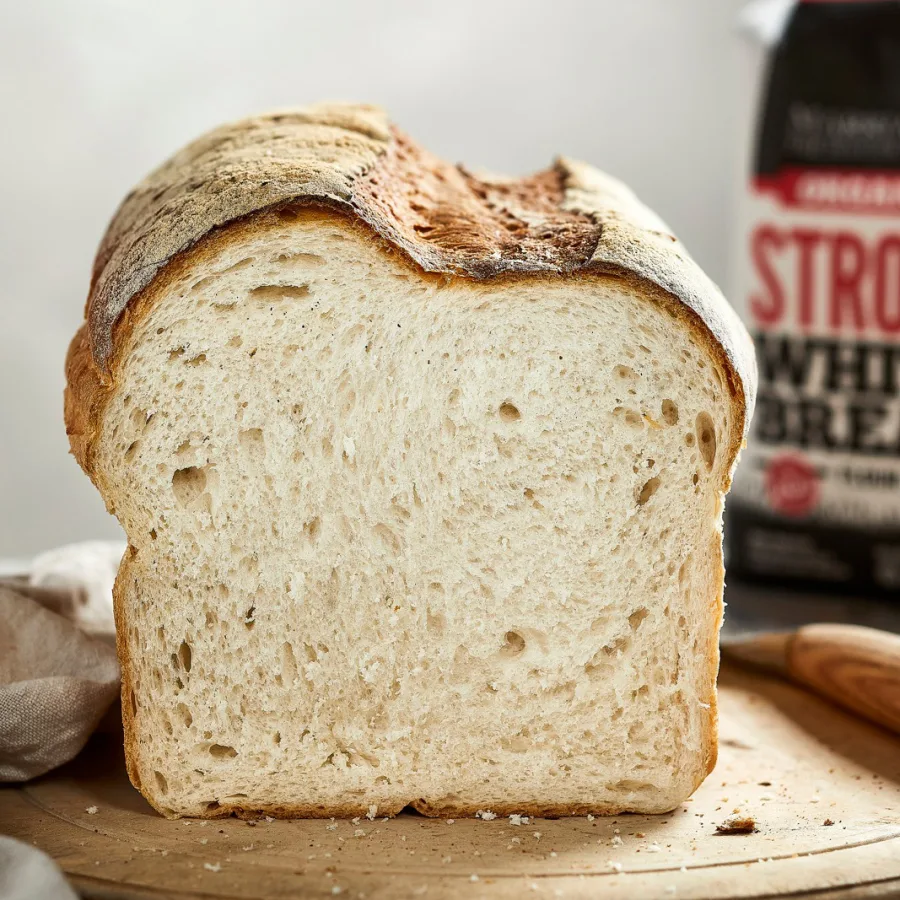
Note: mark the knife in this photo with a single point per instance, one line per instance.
(855, 667)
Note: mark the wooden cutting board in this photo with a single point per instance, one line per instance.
(789, 760)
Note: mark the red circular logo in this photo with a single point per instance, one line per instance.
(792, 485)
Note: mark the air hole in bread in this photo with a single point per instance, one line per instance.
(648, 490)
(637, 617)
(389, 538)
(268, 293)
(253, 442)
(250, 618)
(213, 805)
(509, 412)
(235, 341)
(222, 751)
(513, 644)
(689, 439)
(436, 622)
(132, 450)
(176, 354)
(276, 738)
(161, 784)
(185, 715)
(197, 360)
(312, 528)
(188, 484)
(670, 412)
(706, 438)
(288, 663)
(625, 372)
(184, 656)
(134, 706)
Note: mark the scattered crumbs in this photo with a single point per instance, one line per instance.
(615, 866)
(373, 811)
(247, 848)
(355, 820)
(737, 825)
(533, 886)
(270, 846)
(204, 840)
(359, 833)
(639, 834)
(311, 856)
(386, 819)
(485, 814)
(516, 819)
(590, 818)
(164, 853)
(553, 853)
(93, 810)
(828, 822)
(683, 869)
(615, 830)
(537, 835)
(515, 840)
(473, 877)
(96, 862)
(450, 821)
(814, 799)
(331, 826)
(251, 823)
(212, 867)
(765, 797)
(203, 823)
(615, 840)
(325, 855)
(703, 705)
(336, 889)
(654, 848)
(402, 837)
(269, 819)
(447, 859)
(186, 822)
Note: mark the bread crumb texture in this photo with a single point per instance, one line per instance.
(399, 539)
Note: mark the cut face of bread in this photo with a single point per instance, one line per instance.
(400, 538)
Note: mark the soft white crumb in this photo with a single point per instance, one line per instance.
(373, 811)
(92, 810)
(615, 866)
(537, 835)
(213, 867)
(359, 833)
(447, 859)
(515, 840)
(336, 889)
(355, 820)
(590, 818)
(516, 819)
(615, 840)
(332, 826)
(485, 814)
(653, 848)
(204, 840)
(473, 877)
(246, 849)
(269, 819)
(450, 821)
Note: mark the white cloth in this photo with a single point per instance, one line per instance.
(58, 676)
(28, 874)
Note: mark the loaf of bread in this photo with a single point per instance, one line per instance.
(422, 475)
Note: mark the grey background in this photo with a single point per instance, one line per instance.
(96, 92)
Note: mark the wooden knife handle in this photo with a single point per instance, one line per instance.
(856, 667)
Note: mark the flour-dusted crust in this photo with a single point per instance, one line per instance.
(569, 221)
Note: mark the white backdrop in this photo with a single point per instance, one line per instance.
(96, 92)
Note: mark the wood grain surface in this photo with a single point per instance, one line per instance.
(791, 761)
(857, 667)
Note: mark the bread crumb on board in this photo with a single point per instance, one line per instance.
(485, 814)
(91, 810)
(737, 825)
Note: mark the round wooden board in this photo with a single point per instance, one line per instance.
(790, 761)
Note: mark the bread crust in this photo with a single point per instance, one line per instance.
(347, 163)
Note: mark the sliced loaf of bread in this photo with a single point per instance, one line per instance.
(422, 475)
